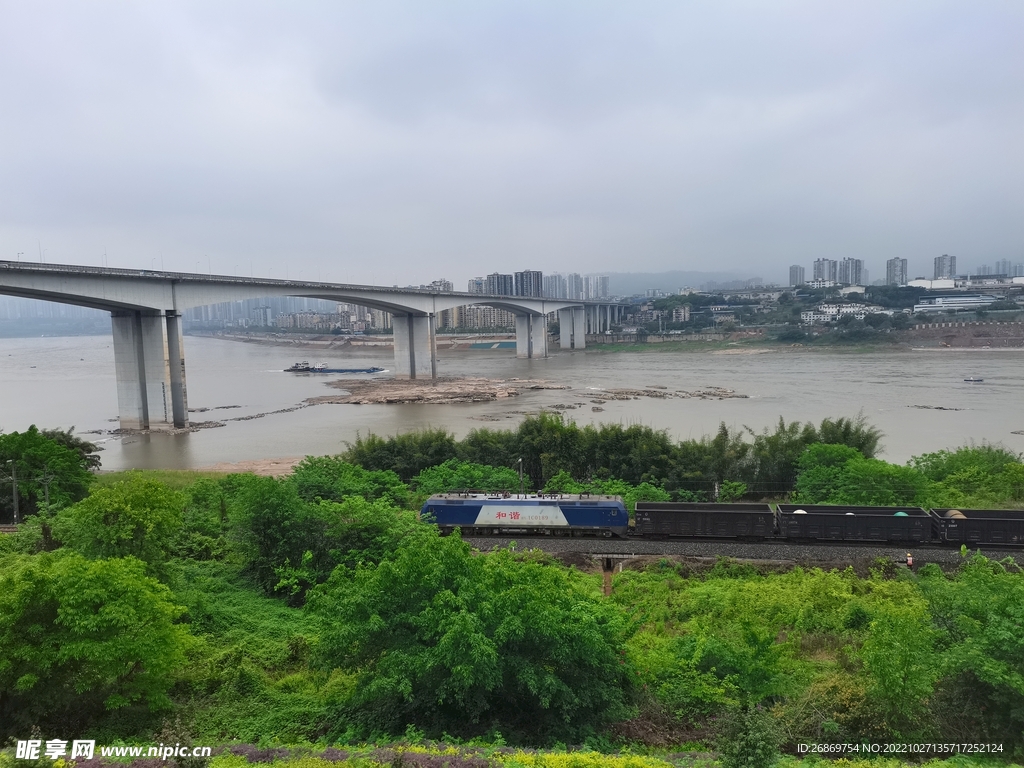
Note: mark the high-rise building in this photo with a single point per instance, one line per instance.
(896, 271)
(945, 266)
(477, 285)
(574, 287)
(441, 285)
(796, 275)
(596, 287)
(850, 272)
(825, 269)
(501, 285)
(529, 282)
(555, 287)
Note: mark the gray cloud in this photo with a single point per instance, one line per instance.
(399, 142)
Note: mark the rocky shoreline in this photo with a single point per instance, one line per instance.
(437, 391)
(445, 391)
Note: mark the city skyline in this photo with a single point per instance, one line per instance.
(387, 145)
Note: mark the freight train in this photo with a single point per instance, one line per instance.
(477, 513)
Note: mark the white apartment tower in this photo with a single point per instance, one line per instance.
(896, 272)
(826, 269)
(945, 267)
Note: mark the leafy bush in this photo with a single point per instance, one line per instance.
(749, 739)
(456, 475)
(134, 517)
(331, 479)
(80, 638)
(406, 455)
(976, 475)
(289, 545)
(462, 644)
(979, 619)
(50, 463)
(838, 474)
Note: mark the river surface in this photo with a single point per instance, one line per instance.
(63, 382)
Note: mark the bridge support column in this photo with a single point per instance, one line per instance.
(176, 363)
(539, 335)
(524, 339)
(531, 336)
(579, 324)
(149, 395)
(415, 347)
(565, 328)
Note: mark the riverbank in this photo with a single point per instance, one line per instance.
(938, 335)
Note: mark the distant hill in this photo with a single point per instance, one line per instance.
(630, 283)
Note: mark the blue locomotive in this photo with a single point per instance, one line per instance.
(503, 513)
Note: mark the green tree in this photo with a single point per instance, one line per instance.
(44, 466)
(750, 739)
(838, 474)
(458, 643)
(406, 455)
(289, 545)
(978, 474)
(856, 433)
(457, 475)
(82, 637)
(774, 456)
(979, 617)
(135, 516)
(898, 654)
(270, 526)
(87, 452)
(332, 479)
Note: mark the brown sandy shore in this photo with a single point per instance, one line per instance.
(264, 467)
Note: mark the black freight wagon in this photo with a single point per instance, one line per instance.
(659, 518)
(981, 526)
(839, 523)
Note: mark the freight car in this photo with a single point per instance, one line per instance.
(825, 523)
(729, 521)
(536, 514)
(980, 526)
(839, 523)
(570, 515)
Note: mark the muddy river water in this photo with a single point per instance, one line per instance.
(918, 399)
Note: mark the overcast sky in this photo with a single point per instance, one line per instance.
(400, 142)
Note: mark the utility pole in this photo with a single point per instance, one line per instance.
(46, 478)
(14, 483)
(522, 487)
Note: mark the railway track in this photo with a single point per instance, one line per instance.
(798, 553)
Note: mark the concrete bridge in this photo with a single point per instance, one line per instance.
(145, 308)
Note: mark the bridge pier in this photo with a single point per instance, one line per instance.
(415, 346)
(150, 368)
(531, 336)
(572, 328)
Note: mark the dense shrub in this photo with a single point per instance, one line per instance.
(80, 638)
(51, 463)
(456, 643)
(136, 517)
